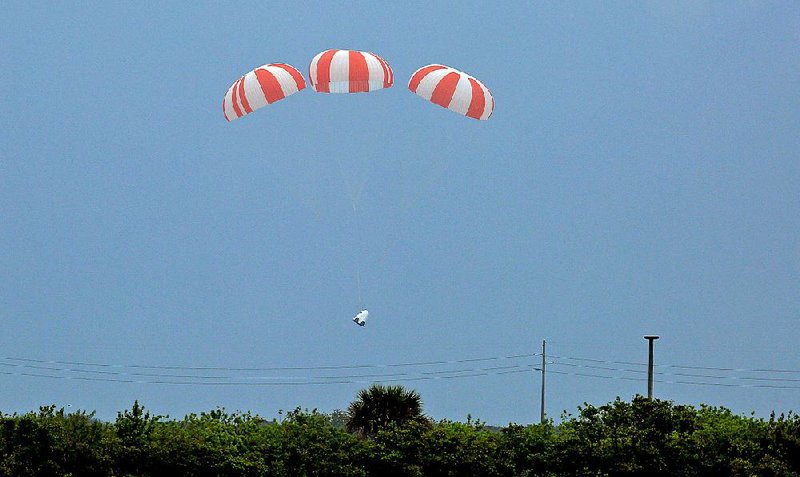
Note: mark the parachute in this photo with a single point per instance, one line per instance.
(361, 318)
(454, 90)
(352, 71)
(349, 71)
(260, 87)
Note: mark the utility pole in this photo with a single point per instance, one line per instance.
(650, 339)
(541, 415)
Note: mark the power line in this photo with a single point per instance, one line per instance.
(680, 366)
(692, 375)
(191, 376)
(252, 378)
(663, 381)
(589, 375)
(178, 376)
(149, 374)
(268, 368)
(456, 374)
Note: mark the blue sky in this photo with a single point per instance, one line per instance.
(639, 175)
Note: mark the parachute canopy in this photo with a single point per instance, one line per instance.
(260, 87)
(361, 318)
(454, 90)
(349, 71)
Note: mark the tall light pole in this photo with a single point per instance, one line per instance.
(650, 339)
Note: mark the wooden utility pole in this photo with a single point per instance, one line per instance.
(544, 363)
(650, 339)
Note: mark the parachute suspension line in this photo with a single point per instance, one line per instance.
(362, 253)
(355, 197)
(360, 298)
(352, 190)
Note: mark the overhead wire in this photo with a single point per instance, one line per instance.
(709, 376)
(665, 370)
(250, 378)
(152, 374)
(225, 376)
(679, 366)
(269, 368)
(667, 381)
(454, 374)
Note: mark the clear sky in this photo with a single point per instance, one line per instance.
(639, 175)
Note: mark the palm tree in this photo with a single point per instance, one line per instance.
(380, 405)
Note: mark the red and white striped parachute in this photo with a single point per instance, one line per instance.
(349, 71)
(454, 90)
(260, 87)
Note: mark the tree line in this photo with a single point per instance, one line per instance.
(385, 433)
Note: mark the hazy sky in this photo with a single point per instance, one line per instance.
(639, 175)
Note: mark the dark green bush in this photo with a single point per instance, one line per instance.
(637, 438)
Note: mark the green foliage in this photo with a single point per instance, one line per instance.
(782, 438)
(52, 442)
(526, 450)
(215, 443)
(134, 430)
(637, 438)
(313, 447)
(378, 406)
(454, 448)
(398, 450)
(338, 419)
